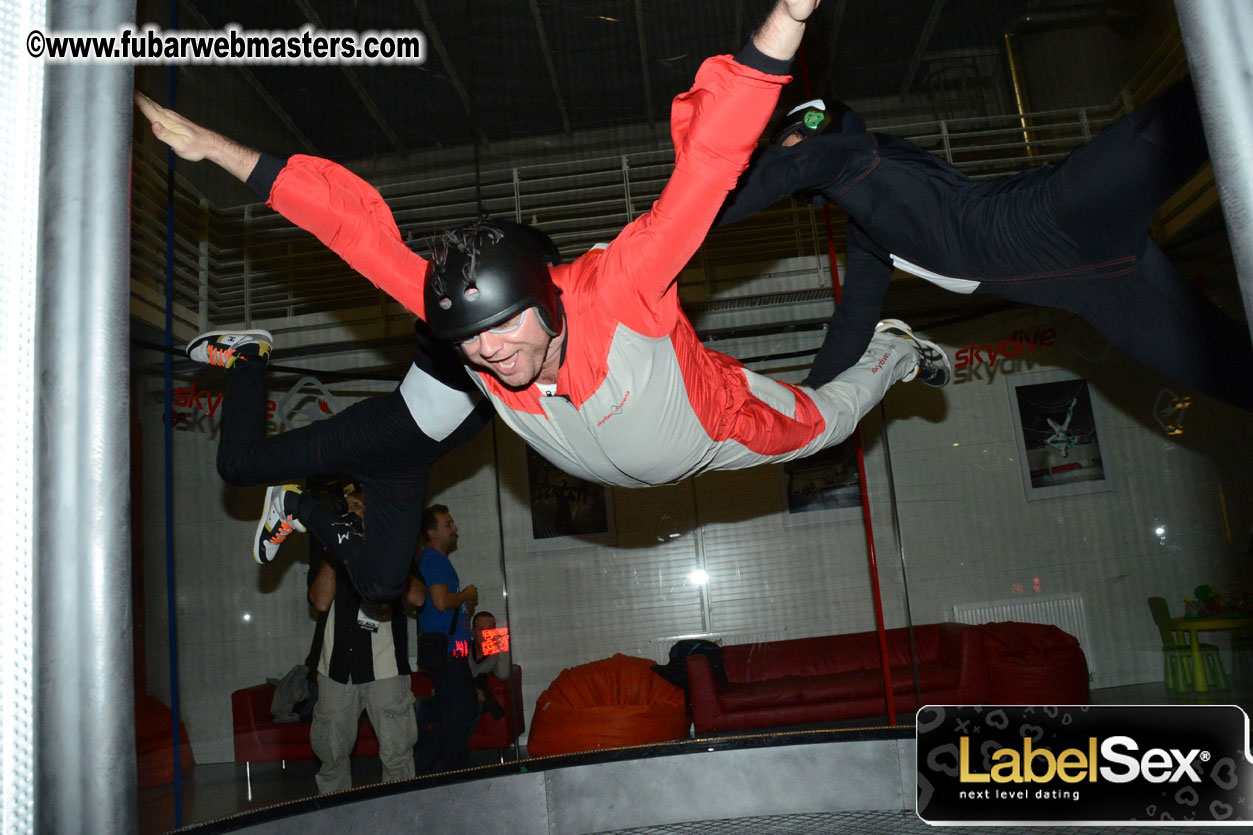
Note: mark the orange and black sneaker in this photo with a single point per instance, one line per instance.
(224, 348)
(278, 520)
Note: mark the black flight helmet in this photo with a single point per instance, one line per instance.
(485, 272)
(814, 117)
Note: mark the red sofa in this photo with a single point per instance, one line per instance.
(836, 677)
(840, 676)
(258, 738)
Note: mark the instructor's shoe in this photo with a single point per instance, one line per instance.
(223, 348)
(278, 519)
(934, 366)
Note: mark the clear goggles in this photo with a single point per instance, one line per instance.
(508, 326)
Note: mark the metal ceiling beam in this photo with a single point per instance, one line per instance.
(924, 40)
(833, 37)
(251, 80)
(432, 35)
(357, 87)
(648, 87)
(542, 33)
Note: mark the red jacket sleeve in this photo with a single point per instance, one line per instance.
(715, 127)
(347, 214)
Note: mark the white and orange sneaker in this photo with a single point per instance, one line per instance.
(223, 348)
(278, 520)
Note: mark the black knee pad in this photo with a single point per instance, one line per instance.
(234, 470)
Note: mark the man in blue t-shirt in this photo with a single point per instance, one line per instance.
(447, 613)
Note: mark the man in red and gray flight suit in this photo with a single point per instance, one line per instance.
(593, 363)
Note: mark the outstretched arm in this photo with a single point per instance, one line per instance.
(341, 210)
(780, 36)
(194, 143)
(714, 127)
(828, 165)
(770, 177)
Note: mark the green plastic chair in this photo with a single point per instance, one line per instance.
(1177, 657)
(1242, 656)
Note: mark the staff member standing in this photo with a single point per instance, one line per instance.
(446, 615)
(362, 661)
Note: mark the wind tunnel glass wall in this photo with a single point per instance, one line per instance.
(1054, 481)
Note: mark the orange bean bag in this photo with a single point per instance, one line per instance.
(606, 704)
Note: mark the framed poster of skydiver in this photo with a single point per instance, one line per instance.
(1058, 433)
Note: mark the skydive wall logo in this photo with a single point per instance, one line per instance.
(983, 360)
(1022, 765)
(197, 409)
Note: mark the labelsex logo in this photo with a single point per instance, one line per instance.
(1039, 765)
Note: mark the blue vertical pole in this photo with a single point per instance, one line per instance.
(171, 609)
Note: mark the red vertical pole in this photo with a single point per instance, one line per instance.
(885, 663)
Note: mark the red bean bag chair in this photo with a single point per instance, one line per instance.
(606, 704)
(1034, 664)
